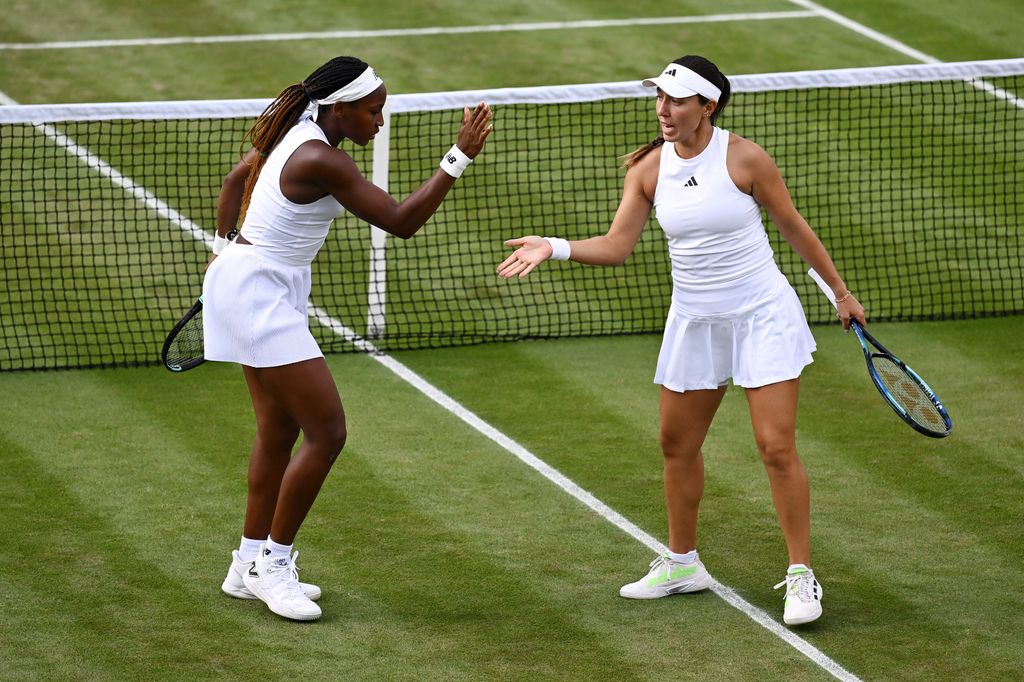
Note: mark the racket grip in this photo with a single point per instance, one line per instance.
(826, 289)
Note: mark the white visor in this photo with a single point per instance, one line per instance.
(366, 83)
(679, 81)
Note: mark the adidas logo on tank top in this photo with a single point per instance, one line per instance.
(692, 182)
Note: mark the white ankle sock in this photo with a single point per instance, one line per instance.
(688, 558)
(797, 568)
(249, 549)
(278, 551)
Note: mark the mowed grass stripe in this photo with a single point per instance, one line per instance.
(408, 32)
(492, 555)
(895, 515)
(812, 654)
(421, 64)
(115, 19)
(87, 599)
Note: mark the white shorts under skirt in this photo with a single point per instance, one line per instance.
(768, 344)
(254, 310)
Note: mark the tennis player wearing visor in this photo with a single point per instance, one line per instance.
(287, 190)
(733, 314)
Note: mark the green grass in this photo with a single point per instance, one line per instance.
(430, 63)
(443, 557)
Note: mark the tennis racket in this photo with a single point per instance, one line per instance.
(183, 348)
(905, 392)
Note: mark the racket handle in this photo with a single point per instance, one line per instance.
(824, 287)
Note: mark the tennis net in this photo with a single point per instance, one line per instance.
(909, 174)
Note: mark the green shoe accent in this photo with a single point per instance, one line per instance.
(675, 573)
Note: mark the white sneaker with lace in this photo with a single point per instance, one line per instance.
(803, 596)
(277, 584)
(667, 577)
(234, 586)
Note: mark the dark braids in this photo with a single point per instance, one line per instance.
(284, 112)
(708, 70)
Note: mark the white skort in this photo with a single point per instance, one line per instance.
(763, 345)
(255, 310)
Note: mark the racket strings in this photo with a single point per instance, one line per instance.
(910, 395)
(187, 344)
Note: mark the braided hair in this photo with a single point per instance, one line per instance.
(708, 70)
(284, 112)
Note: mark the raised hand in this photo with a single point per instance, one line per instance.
(532, 252)
(475, 129)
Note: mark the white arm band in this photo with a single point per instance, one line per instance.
(219, 243)
(559, 248)
(454, 161)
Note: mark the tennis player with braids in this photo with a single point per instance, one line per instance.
(733, 314)
(287, 190)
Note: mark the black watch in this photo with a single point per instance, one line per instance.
(232, 233)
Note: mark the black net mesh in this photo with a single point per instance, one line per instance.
(913, 188)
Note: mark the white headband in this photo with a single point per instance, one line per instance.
(367, 82)
(679, 81)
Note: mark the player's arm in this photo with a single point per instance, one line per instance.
(611, 248)
(229, 201)
(770, 191)
(337, 173)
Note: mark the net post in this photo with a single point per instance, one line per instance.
(376, 293)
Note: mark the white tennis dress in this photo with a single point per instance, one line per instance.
(255, 295)
(734, 314)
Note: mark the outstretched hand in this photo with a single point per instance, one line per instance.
(475, 129)
(532, 252)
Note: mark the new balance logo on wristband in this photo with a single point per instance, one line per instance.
(692, 182)
(454, 161)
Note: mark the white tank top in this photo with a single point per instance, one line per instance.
(722, 262)
(281, 229)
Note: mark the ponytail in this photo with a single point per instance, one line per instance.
(631, 159)
(268, 129)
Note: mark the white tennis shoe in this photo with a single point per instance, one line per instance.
(234, 586)
(277, 584)
(803, 597)
(668, 577)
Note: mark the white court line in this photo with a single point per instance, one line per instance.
(860, 28)
(568, 486)
(406, 32)
(142, 194)
(902, 48)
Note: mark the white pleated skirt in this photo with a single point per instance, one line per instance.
(765, 345)
(255, 310)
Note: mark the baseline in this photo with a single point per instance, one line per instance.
(406, 32)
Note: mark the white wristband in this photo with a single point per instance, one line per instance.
(559, 248)
(454, 162)
(219, 243)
